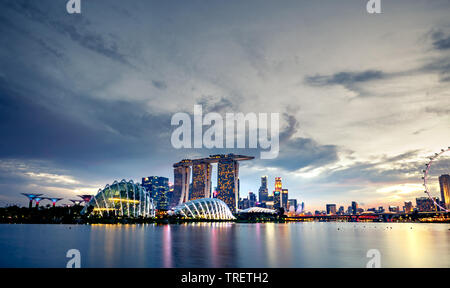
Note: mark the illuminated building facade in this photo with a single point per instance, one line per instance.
(292, 203)
(277, 194)
(201, 180)
(408, 207)
(354, 208)
(263, 191)
(227, 183)
(158, 188)
(121, 199)
(276, 199)
(444, 183)
(284, 199)
(425, 204)
(204, 208)
(278, 185)
(331, 209)
(227, 180)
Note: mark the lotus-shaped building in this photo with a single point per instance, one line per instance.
(204, 208)
(121, 199)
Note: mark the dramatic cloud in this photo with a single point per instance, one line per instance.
(87, 99)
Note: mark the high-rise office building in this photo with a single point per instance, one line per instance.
(331, 209)
(251, 199)
(292, 203)
(354, 208)
(284, 199)
(408, 207)
(276, 199)
(278, 185)
(158, 188)
(425, 204)
(263, 190)
(444, 183)
(341, 210)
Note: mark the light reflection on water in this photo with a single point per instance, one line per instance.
(227, 245)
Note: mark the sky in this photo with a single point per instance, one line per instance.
(86, 99)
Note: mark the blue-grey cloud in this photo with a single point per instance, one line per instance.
(76, 28)
(159, 84)
(304, 152)
(440, 40)
(216, 104)
(346, 79)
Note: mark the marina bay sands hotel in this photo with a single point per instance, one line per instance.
(227, 179)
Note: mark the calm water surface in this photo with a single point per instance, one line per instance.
(226, 245)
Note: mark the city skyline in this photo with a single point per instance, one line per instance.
(191, 193)
(157, 184)
(85, 101)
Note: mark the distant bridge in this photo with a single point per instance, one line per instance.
(385, 217)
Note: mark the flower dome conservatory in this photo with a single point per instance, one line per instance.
(205, 208)
(121, 199)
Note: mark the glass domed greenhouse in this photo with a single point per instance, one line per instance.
(205, 208)
(121, 199)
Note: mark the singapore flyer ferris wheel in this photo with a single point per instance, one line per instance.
(436, 178)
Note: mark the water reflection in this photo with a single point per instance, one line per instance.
(227, 245)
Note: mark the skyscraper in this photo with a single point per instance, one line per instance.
(182, 178)
(252, 199)
(292, 203)
(354, 208)
(227, 180)
(201, 180)
(444, 183)
(408, 207)
(158, 188)
(284, 199)
(276, 199)
(278, 185)
(263, 190)
(331, 209)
